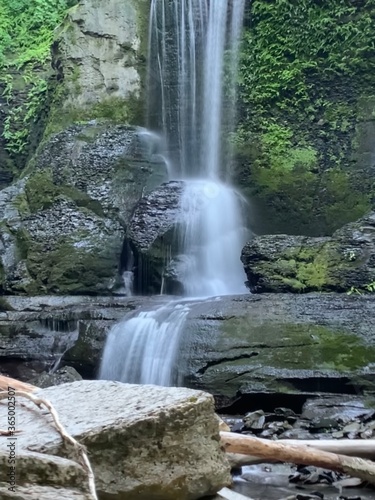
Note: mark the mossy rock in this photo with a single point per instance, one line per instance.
(341, 263)
(57, 239)
(305, 139)
(288, 344)
(70, 270)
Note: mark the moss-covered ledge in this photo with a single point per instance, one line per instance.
(341, 263)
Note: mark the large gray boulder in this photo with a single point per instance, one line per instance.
(63, 224)
(144, 442)
(283, 263)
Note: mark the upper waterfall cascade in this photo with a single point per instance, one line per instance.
(193, 59)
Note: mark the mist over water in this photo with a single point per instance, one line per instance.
(193, 59)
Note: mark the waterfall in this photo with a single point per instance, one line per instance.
(193, 45)
(141, 349)
(193, 48)
(193, 58)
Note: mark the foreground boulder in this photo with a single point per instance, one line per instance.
(285, 263)
(144, 442)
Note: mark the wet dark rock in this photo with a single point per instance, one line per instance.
(249, 352)
(61, 376)
(335, 411)
(64, 223)
(254, 420)
(271, 482)
(286, 263)
(334, 418)
(282, 344)
(156, 215)
(36, 332)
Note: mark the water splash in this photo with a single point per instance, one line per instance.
(212, 236)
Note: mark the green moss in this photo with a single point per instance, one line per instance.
(296, 133)
(70, 268)
(313, 266)
(112, 110)
(21, 204)
(23, 241)
(143, 13)
(299, 346)
(41, 193)
(4, 305)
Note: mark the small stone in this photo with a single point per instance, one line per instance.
(254, 420)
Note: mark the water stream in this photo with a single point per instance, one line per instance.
(193, 58)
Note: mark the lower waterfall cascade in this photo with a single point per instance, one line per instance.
(193, 59)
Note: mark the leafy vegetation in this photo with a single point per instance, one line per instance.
(305, 65)
(26, 34)
(368, 288)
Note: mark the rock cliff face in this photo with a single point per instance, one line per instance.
(64, 222)
(93, 69)
(100, 55)
(63, 225)
(341, 263)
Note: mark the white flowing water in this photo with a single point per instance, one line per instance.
(140, 349)
(193, 58)
(213, 236)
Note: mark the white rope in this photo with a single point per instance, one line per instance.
(79, 448)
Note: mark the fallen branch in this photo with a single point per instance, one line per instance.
(6, 382)
(363, 448)
(78, 447)
(298, 454)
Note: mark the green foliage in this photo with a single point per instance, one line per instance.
(26, 30)
(368, 288)
(305, 67)
(26, 34)
(291, 42)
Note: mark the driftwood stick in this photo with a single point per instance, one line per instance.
(363, 448)
(301, 454)
(230, 495)
(78, 447)
(16, 385)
